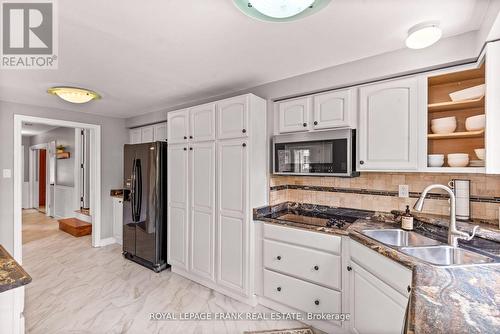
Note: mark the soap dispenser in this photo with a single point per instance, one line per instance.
(407, 220)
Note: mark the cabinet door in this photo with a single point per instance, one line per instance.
(232, 117)
(294, 115)
(202, 122)
(147, 134)
(177, 125)
(388, 126)
(135, 136)
(177, 227)
(375, 307)
(160, 131)
(232, 218)
(332, 110)
(118, 219)
(202, 222)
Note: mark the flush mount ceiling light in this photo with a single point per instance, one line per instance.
(423, 35)
(73, 94)
(280, 10)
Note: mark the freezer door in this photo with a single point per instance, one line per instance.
(128, 221)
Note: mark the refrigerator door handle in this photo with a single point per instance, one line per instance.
(138, 199)
(132, 191)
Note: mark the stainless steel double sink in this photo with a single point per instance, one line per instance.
(426, 249)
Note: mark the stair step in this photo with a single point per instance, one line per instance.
(75, 227)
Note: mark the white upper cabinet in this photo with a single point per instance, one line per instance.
(177, 126)
(333, 110)
(202, 218)
(160, 131)
(147, 134)
(293, 115)
(232, 117)
(135, 136)
(388, 126)
(202, 122)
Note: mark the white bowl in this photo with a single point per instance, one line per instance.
(468, 93)
(458, 159)
(480, 153)
(435, 160)
(475, 123)
(443, 129)
(444, 121)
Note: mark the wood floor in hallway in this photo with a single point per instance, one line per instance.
(80, 289)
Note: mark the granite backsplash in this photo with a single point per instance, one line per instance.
(379, 192)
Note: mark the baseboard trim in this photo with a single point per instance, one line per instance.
(106, 242)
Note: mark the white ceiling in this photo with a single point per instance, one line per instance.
(147, 55)
(31, 129)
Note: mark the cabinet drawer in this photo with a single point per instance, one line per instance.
(304, 296)
(392, 273)
(309, 264)
(321, 241)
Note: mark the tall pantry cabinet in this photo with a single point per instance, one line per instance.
(216, 175)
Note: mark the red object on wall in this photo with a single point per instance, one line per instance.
(42, 177)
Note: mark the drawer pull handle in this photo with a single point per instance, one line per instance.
(316, 302)
(316, 267)
(278, 288)
(278, 257)
(349, 268)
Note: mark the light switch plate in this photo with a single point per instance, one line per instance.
(404, 190)
(7, 173)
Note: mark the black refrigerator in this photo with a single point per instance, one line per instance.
(145, 204)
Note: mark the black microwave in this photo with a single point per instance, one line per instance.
(322, 153)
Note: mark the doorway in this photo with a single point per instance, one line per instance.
(42, 180)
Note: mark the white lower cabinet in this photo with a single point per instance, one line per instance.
(378, 292)
(118, 219)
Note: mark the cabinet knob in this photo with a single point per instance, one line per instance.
(349, 268)
(316, 267)
(244, 131)
(408, 288)
(278, 257)
(244, 144)
(190, 148)
(190, 137)
(185, 149)
(315, 122)
(185, 137)
(361, 162)
(316, 302)
(278, 288)
(304, 124)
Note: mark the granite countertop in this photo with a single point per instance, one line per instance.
(12, 275)
(452, 299)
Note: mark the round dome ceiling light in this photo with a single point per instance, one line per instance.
(423, 35)
(74, 94)
(280, 10)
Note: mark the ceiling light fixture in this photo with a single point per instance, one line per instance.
(280, 10)
(423, 35)
(74, 94)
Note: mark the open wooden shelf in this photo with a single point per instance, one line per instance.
(63, 155)
(456, 135)
(458, 105)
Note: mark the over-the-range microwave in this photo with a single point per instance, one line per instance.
(322, 153)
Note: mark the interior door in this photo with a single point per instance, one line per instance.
(294, 115)
(202, 122)
(376, 308)
(177, 205)
(232, 222)
(202, 222)
(177, 126)
(232, 117)
(42, 179)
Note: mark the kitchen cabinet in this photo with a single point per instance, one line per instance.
(135, 136)
(333, 110)
(118, 219)
(293, 115)
(177, 216)
(160, 131)
(388, 126)
(215, 179)
(232, 214)
(147, 134)
(378, 292)
(177, 122)
(232, 116)
(202, 218)
(202, 122)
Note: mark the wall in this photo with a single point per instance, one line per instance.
(113, 136)
(65, 168)
(379, 191)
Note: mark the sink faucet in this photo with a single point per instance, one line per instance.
(453, 233)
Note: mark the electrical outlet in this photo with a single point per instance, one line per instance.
(7, 173)
(404, 190)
